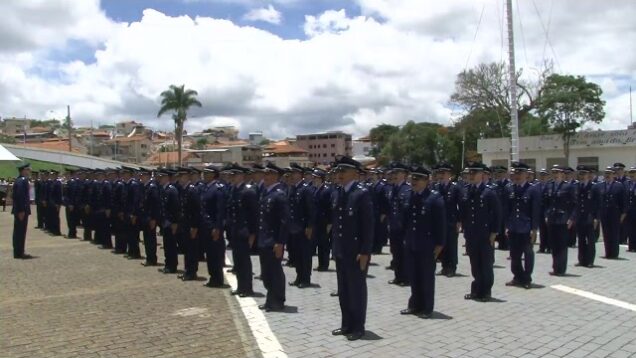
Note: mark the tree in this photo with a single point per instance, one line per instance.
(567, 103)
(7, 139)
(380, 136)
(201, 143)
(414, 143)
(179, 100)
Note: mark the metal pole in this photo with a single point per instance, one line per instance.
(463, 148)
(70, 128)
(514, 115)
(631, 118)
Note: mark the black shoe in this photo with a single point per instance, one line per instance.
(425, 315)
(409, 311)
(578, 264)
(258, 277)
(590, 266)
(340, 332)
(216, 285)
(231, 270)
(117, 252)
(404, 284)
(189, 277)
(354, 336)
(470, 296)
(167, 270)
(527, 285)
(23, 257)
(263, 307)
(451, 273)
(134, 257)
(513, 283)
(321, 269)
(484, 299)
(552, 273)
(246, 294)
(303, 285)
(294, 283)
(235, 292)
(334, 294)
(275, 308)
(146, 264)
(396, 282)
(389, 268)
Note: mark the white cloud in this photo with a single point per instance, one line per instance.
(351, 73)
(268, 14)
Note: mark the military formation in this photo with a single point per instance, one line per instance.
(345, 214)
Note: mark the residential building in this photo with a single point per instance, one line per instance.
(170, 159)
(323, 148)
(282, 153)
(239, 152)
(256, 138)
(13, 126)
(361, 147)
(132, 149)
(59, 144)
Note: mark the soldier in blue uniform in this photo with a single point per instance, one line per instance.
(301, 217)
(630, 218)
(499, 184)
(396, 198)
(132, 212)
(380, 209)
(84, 203)
(21, 210)
(151, 217)
(613, 212)
(587, 216)
(522, 223)
(190, 223)
(452, 194)
(54, 204)
(100, 204)
(544, 244)
(170, 219)
(481, 216)
(213, 210)
(273, 233)
(46, 190)
(119, 206)
(321, 225)
(560, 208)
(571, 178)
(243, 225)
(37, 184)
(424, 239)
(352, 228)
(69, 195)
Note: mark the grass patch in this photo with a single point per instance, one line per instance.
(10, 170)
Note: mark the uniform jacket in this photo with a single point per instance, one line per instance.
(560, 202)
(397, 195)
(452, 194)
(524, 208)
(20, 196)
(352, 228)
(273, 224)
(243, 210)
(588, 204)
(213, 206)
(170, 205)
(423, 213)
(614, 200)
(152, 201)
(480, 212)
(322, 204)
(301, 207)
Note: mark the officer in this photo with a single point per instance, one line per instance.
(190, 222)
(587, 216)
(54, 204)
(630, 219)
(560, 207)
(301, 218)
(352, 212)
(37, 190)
(423, 239)
(396, 198)
(170, 218)
(100, 206)
(570, 177)
(47, 180)
(499, 183)
(321, 225)
(119, 206)
(69, 196)
(522, 223)
(273, 224)
(481, 217)
(613, 212)
(619, 169)
(132, 212)
(85, 203)
(452, 194)
(380, 209)
(544, 179)
(213, 212)
(21, 210)
(151, 216)
(243, 225)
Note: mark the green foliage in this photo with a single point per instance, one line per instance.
(7, 139)
(9, 170)
(178, 100)
(51, 123)
(201, 143)
(265, 142)
(418, 143)
(380, 136)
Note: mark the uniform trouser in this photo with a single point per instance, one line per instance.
(544, 244)
(304, 252)
(273, 277)
(39, 214)
(150, 242)
(321, 238)
(352, 293)
(422, 280)
(120, 235)
(380, 235)
(449, 253)
(132, 239)
(19, 235)
(572, 237)
(291, 251)
(611, 232)
(587, 243)
(191, 252)
(630, 221)
(397, 251)
(480, 253)
(230, 240)
(70, 222)
(624, 232)
(521, 257)
(88, 225)
(54, 214)
(214, 255)
(243, 263)
(102, 229)
(559, 246)
(503, 241)
(170, 248)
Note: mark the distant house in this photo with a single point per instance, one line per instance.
(170, 159)
(133, 149)
(282, 153)
(220, 152)
(59, 144)
(324, 147)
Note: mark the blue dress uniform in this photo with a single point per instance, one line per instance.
(301, 217)
(85, 204)
(481, 217)
(452, 194)
(21, 207)
(191, 221)
(243, 223)
(98, 209)
(523, 216)
(322, 219)
(396, 198)
(587, 211)
(213, 211)
(424, 212)
(151, 219)
(171, 216)
(103, 212)
(613, 205)
(69, 195)
(273, 229)
(54, 204)
(38, 202)
(46, 191)
(380, 211)
(352, 230)
(630, 219)
(544, 244)
(500, 188)
(132, 215)
(119, 206)
(560, 208)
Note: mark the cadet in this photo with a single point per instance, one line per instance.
(37, 186)
(544, 244)
(630, 219)
(522, 223)
(613, 209)
(352, 230)
(481, 217)
(69, 197)
(587, 216)
(452, 194)
(119, 205)
(423, 240)
(55, 201)
(190, 222)
(213, 202)
(499, 184)
(396, 197)
(273, 233)
(151, 217)
(21, 210)
(85, 203)
(559, 215)
(322, 204)
(101, 203)
(243, 225)
(132, 212)
(301, 213)
(380, 209)
(170, 216)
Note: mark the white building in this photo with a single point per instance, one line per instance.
(598, 149)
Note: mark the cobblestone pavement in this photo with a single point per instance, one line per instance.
(76, 300)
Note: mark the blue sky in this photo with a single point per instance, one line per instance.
(291, 27)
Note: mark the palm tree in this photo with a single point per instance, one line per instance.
(179, 100)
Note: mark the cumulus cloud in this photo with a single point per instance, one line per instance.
(396, 62)
(266, 14)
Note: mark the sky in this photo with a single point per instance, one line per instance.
(287, 67)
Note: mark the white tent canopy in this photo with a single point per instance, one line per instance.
(6, 155)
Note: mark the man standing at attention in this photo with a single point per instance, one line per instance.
(21, 211)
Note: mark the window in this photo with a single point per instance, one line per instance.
(589, 161)
(324, 145)
(532, 163)
(555, 161)
(333, 145)
(503, 162)
(324, 155)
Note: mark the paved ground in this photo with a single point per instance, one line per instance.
(76, 300)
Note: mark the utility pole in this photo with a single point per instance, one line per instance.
(514, 115)
(70, 128)
(631, 118)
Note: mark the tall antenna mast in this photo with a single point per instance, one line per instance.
(514, 115)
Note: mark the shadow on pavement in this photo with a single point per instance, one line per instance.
(370, 336)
